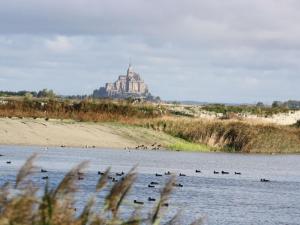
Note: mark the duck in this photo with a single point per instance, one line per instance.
(198, 171)
(151, 199)
(43, 171)
(138, 202)
(168, 173)
(177, 185)
(237, 173)
(158, 175)
(120, 174)
(182, 175)
(100, 173)
(151, 186)
(154, 183)
(224, 172)
(264, 180)
(166, 205)
(216, 172)
(45, 178)
(8, 162)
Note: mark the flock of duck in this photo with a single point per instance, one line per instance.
(154, 146)
(116, 177)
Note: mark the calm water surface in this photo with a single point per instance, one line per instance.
(219, 199)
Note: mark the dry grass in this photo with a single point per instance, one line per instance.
(85, 110)
(235, 136)
(21, 205)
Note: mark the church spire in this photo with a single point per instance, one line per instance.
(130, 70)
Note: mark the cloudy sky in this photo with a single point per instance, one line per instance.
(204, 50)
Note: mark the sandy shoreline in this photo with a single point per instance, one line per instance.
(38, 132)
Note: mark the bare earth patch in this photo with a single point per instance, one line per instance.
(27, 131)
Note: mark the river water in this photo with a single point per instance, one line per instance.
(218, 199)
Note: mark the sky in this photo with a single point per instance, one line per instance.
(200, 50)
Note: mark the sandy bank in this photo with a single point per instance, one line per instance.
(56, 133)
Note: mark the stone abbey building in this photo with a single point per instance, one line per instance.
(129, 85)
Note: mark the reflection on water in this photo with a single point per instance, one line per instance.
(221, 199)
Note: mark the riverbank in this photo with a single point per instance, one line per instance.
(231, 135)
(152, 134)
(68, 133)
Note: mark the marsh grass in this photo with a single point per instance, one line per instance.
(183, 145)
(84, 110)
(20, 204)
(229, 136)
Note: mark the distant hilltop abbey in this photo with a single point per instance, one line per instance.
(130, 85)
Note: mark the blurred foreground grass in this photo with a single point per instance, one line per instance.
(20, 203)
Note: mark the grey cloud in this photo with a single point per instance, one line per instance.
(196, 49)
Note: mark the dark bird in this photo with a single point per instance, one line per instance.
(154, 183)
(8, 162)
(168, 173)
(237, 173)
(151, 186)
(80, 173)
(264, 180)
(224, 172)
(80, 178)
(100, 173)
(158, 175)
(1, 155)
(138, 202)
(182, 175)
(165, 204)
(45, 178)
(216, 172)
(43, 171)
(120, 174)
(198, 171)
(177, 185)
(151, 199)
(114, 180)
